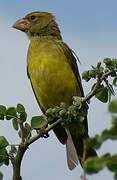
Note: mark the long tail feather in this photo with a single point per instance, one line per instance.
(72, 157)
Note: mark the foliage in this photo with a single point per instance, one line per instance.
(103, 73)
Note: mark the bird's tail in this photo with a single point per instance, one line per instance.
(77, 151)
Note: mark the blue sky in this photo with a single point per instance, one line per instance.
(90, 28)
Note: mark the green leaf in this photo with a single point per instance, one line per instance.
(3, 156)
(93, 165)
(113, 106)
(109, 63)
(15, 123)
(20, 108)
(11, 113)
(2, 112)
(23, 116)
(101, 86)
(115, 81)
(92, 73)
(114, 121)
(38, 122)
(1, 176)
(85, 75)
(27, 131)
(109, 134)
(112, 163)
(102, 94)
(94, 142)
(3, 142)
(1, 117)
(99, 64)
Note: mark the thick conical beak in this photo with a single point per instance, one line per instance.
(21, 24)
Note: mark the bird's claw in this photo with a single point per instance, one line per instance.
(46, 135)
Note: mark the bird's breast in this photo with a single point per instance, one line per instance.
(51, 76)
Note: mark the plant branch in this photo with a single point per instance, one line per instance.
(16, 162)
(21, 130)
(96, 86)
(43, 131)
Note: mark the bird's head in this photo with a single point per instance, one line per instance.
(38, 24)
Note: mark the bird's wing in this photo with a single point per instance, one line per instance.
(72, 60)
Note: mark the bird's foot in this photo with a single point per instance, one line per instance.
(45, 135)
(42, 133)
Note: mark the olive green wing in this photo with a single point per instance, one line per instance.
(78, 142)
(72, 60)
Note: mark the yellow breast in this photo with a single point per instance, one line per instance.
(51, 76)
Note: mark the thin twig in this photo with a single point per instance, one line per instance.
(22, 132)
(96, 86)
(41, 133)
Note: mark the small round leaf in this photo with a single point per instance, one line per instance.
(3, 142)
(10, 113)
(102, 95)
(23, 116)
(38, 122)
(20, 108)
(15, 124)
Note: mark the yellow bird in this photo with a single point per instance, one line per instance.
(54, 76)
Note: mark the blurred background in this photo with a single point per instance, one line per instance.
(90, 29)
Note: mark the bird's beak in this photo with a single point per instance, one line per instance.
(21, 24)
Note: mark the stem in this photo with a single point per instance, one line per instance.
(21, 131)
(16, 162)
(96, 86)
(41, 133)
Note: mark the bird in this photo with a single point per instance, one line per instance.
(54, 76)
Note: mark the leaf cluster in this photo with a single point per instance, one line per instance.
(74, 114)
(103, 73)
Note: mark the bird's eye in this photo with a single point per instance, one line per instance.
(32, 17)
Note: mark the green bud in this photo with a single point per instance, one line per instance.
(62, 112)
